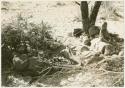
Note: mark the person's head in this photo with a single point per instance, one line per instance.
(104, 25)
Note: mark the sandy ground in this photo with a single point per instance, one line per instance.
(61, 18)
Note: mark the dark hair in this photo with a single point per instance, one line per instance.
(104, 25)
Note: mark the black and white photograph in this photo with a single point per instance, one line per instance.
(62, 43)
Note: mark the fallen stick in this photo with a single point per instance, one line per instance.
(69, 66)
(106, 72)
(37, 77)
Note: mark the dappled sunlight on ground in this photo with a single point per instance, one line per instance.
(64, 19)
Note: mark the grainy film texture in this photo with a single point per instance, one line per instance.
(62, 43)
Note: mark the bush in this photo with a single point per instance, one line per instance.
(30, 39)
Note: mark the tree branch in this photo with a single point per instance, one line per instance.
(94, 13)
(77, 3)
(85, 14)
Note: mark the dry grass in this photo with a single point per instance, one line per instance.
(63, 17)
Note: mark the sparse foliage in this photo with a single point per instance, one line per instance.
(31, 56)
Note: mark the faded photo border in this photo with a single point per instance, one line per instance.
(64, 12)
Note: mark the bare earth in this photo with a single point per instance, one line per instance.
(63, 19)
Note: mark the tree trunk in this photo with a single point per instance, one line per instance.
(85, 14)
(86, 20)
(94, 13)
